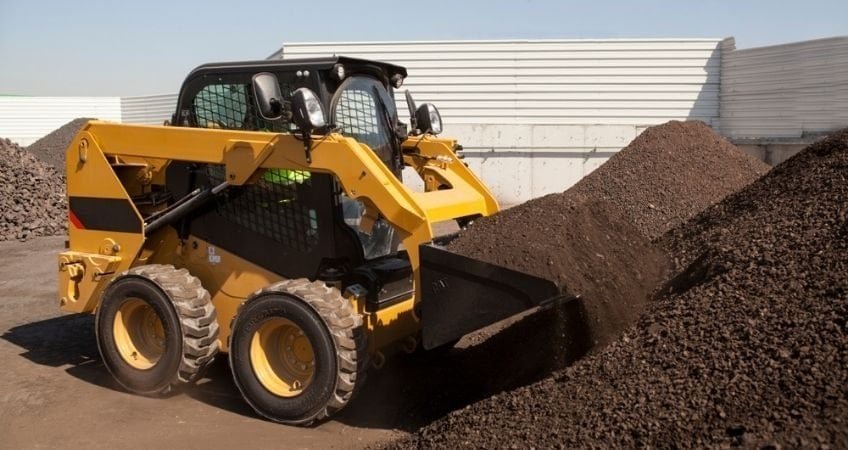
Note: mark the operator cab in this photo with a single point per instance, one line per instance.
(297, 223)
(358, 95)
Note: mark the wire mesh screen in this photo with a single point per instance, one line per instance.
(356, 115)
(231, 107)
(273, 207)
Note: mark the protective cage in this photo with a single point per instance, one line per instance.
(232, 106)
(273, 207)
(357, 112)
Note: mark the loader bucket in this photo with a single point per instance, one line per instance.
(461, 294)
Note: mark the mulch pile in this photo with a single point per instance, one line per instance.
(51, 148)
(669, 173)
(747, 345)
(32, 195)
(589, 248)
(593, 239)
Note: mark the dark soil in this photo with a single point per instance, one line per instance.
(589, 248)
(32, 195)
(584, 238)
(747, 346)
(51, 148)
(669, 173)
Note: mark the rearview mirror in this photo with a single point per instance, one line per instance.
(410, 105)
(269, 99)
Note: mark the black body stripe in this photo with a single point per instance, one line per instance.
(108, 214)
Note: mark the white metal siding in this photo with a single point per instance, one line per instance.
(785, 91)
(150, 109)
(26, 119)
(535, 116)
(621, 82)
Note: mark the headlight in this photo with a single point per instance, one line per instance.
(428, 119)
(435, 120)
(307, 110)
(338, 72)
(397, 80)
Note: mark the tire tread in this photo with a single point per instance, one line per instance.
(197, 315)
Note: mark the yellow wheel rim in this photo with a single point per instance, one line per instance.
(282, 357)
(139, 334)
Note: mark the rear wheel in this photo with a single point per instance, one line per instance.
(156, 329)
(297, 351)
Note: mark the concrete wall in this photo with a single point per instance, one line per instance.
(535, 116)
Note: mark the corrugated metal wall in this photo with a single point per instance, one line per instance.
(632, 82)
(785, 91)
(149, 109)
(535, 116)
(26, 119)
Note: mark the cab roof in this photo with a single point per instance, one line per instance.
(324, 63)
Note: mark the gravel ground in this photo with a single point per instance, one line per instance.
(56, 393)
(746, 346)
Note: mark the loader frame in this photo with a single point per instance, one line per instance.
(106, 163)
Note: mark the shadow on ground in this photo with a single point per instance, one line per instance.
(409, 392)
(63, 341)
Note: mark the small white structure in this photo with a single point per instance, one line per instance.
(26, 119)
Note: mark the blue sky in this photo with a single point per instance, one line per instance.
(147, 47)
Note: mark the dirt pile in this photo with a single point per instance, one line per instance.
(51, 148)
(589, 248)
(748, 346)
(669, 173)
(581, 237)
(32, 195)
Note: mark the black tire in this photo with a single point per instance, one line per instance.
(187, 318)
(336, 334)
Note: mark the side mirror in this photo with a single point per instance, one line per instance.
(269, 99)
(410, 105)
(428, 119)
(307, 112)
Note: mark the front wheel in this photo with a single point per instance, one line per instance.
(297, 351)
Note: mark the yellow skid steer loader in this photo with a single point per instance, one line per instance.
(268, 220)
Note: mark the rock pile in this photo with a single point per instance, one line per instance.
(32, 195)
(51, 148)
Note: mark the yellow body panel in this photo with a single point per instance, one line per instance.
(229, 279)
(453, 191)
(90, 174)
